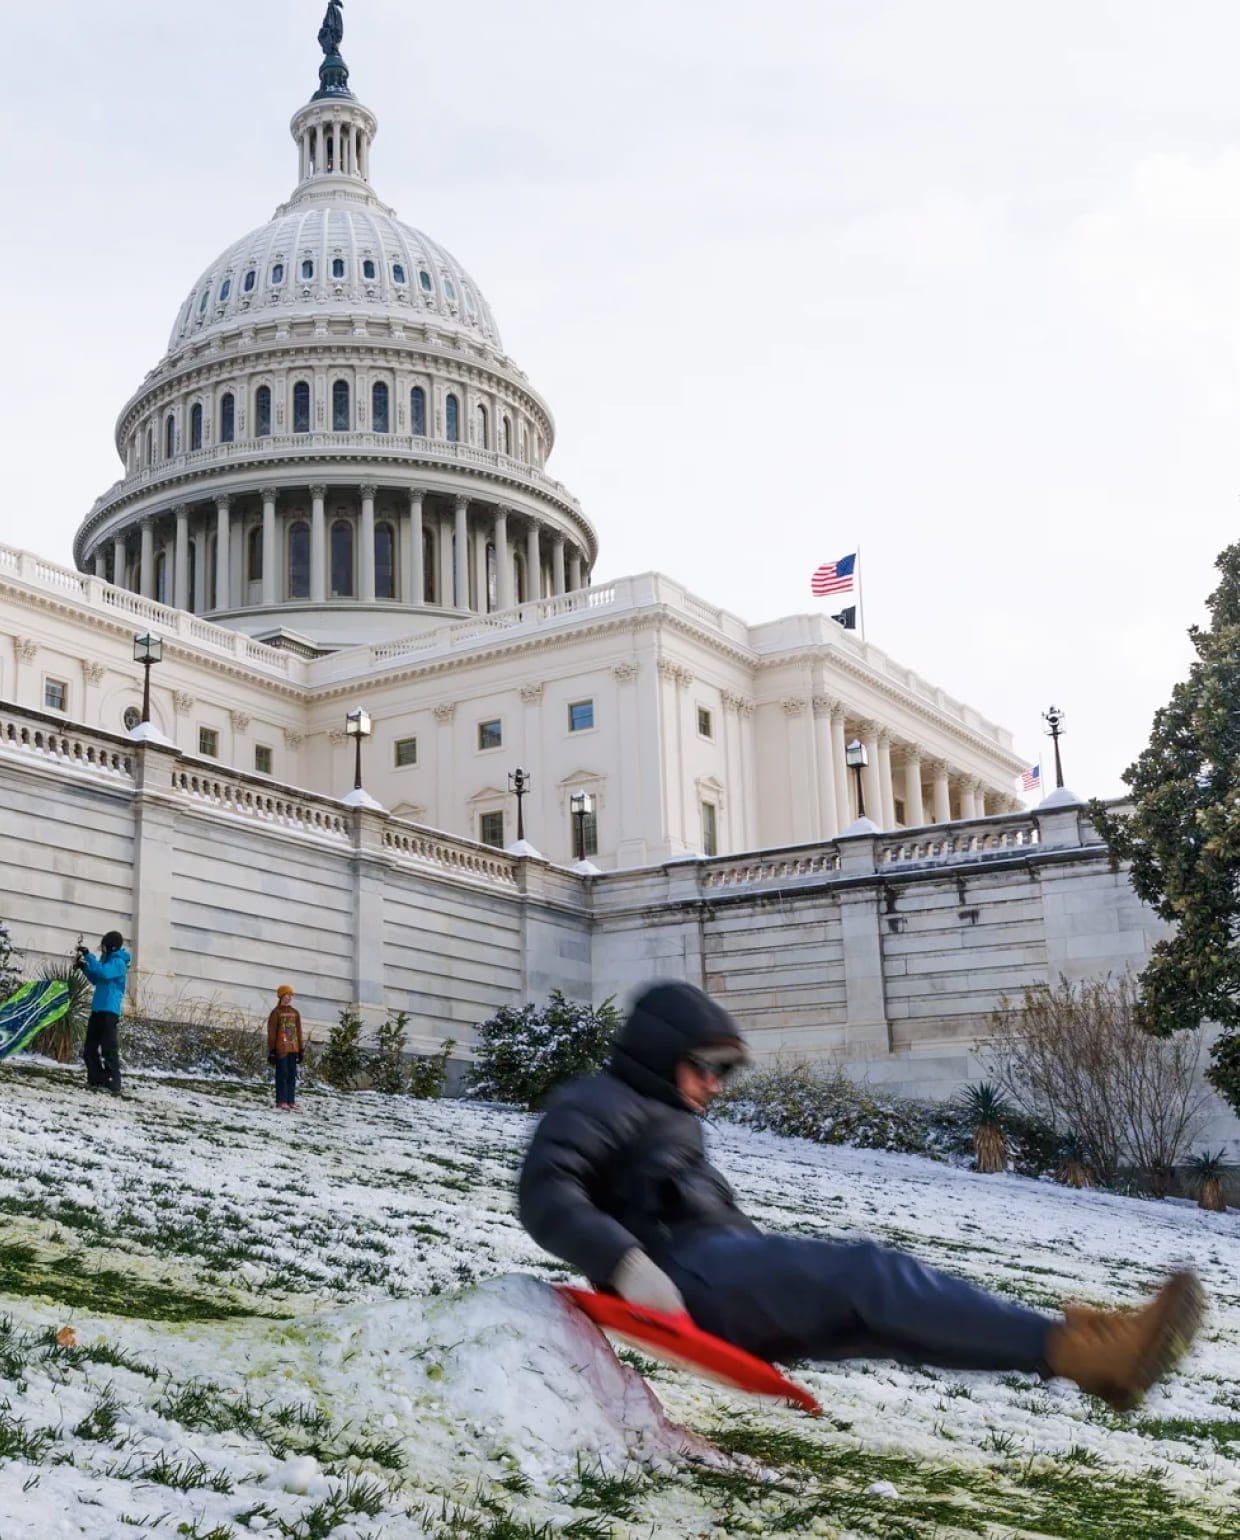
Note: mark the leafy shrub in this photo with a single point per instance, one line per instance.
(64, 1039)
(203, 1038)
(428, 1074)
(342, 1061)
(524, 1054)
(387, 1064)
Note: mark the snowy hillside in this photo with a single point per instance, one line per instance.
(328, 1325)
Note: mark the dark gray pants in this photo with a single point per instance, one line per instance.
(101, 1051)
(784, 1297)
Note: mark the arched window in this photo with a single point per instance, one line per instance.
(380, 419)
(299, 561)
(417, 411)
(228, 418)
(254, 554)
(225, 289)
(506, 445)
(398, 272)
(251, 278)
(301, 407)
(452, 408)
(211, 587)
(338, 267)
(340, 406)
(147, 458)
(262, 412)
(484, 427)
(342, 560)
(430, 573)
(277, 274)
(368, 270)
(170, 437)
(307, 270)
(424, 278)
(385, 562)
(195, 426)
(161, 578)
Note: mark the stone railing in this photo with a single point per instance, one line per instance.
(275, 806)
(315, 447)
(92, 593)
(778, 867)
(943, 843)
(30, 733)
(449, 857)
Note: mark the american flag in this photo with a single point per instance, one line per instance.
(834, 577)
(1032, 779)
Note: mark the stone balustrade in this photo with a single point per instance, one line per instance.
(30, 734)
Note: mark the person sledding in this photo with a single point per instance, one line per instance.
(616, 1183)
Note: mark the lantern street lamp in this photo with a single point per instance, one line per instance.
(357, 726)
(856, 758)
(147, 650)
(1053, 718)
(519, 786)
(582, 806)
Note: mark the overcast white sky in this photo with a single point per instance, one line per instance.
(959, 282)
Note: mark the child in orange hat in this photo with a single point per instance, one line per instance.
(285, 1047)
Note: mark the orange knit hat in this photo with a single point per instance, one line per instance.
(286, 989)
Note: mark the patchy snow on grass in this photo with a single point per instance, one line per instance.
(332, 1325)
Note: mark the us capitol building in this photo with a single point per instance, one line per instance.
(335, 496)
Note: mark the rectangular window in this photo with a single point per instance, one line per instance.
(491, 829)
(209, 742)
(589, 835)
(710, 830)
(262, 759)
(899, 810)
(406, 752)
(55, 694)
(490, 735)
(580, 716)
(705, 725)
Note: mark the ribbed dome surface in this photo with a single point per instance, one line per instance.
(328, 257)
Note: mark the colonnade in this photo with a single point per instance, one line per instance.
(452, 552)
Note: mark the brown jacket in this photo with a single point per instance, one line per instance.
(284, 1031)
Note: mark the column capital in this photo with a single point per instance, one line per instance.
(824, 705)
(270, 494)
(368, 490)
(531, 694)
(445, 712)
(794, 705)
(938, 767)
(417, 496)
(865, 728)
(92, 671)
(223, 502)
(180, 510)
(626, 673)
(318, 491)
(462, 503)
(182, 701)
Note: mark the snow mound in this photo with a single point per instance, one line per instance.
(506, 1371)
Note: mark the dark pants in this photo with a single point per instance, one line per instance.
(101, 1051)
(784, 1297)
(286, 1080)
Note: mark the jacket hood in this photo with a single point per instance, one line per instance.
(668, 1022)
(122, 954)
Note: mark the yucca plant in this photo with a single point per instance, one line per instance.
(1206, 1170)
(985, 1108)
(1074, 1168)
(63, 1040)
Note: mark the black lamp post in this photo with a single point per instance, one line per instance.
(1053, 718)
(519, 786)
(358, 726)
(147, 650)
(856, 758)
(582, 805)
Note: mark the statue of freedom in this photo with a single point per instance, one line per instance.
(331, 33)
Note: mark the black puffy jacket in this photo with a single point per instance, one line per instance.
(618, 1160)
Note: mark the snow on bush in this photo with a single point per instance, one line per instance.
(523, 1055)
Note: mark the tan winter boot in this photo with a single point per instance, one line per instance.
(1119, 1354)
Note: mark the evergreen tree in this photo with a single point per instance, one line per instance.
(10, 964)
(1182, 839)
(387, 1066)
(342, 1060)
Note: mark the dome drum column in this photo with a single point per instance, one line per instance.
(574, 570)
(223, 553)
(366, 566)
(460, 592)
(415, 589)
(503, 561)
(146, 560)
(180, 559)
(557, 566)
(533, 562)
(318, 544)
(270, 562)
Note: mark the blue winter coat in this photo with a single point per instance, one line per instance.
(108, 976)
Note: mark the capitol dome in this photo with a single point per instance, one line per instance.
(335, 448)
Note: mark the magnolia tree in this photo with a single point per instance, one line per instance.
(1182, 840)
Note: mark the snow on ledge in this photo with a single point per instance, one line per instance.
(523, 850)
(359, 798)
(147, 732)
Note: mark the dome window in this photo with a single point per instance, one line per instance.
(262, 412)
(380, 414)
(170, 438)
(338, 267)
(251, 278)
(385, 561)
(398, 272)
(225, 289)
(424, 278)
(449, 288)
(204, 301)
(340, 407)
(277, 275)
(299, 561)
(301, 407)
(417, 411)
(195, 426)
(368, 270)
(228, 418)
(307, 270)
(452, 410)
(342, 560)
(254, 553)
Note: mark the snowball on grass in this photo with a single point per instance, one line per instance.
(302, 1475)
(881, 1489)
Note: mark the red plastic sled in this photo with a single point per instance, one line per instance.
(676, 1340)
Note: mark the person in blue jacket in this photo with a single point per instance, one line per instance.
(108, 973)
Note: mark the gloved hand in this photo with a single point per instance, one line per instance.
(640, 1282)
(271, 1058)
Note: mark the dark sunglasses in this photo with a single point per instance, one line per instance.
(705, 1068)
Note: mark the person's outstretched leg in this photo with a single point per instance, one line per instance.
(90, 1052)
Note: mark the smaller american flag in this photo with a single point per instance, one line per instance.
(1032, 779)
(834, 577)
